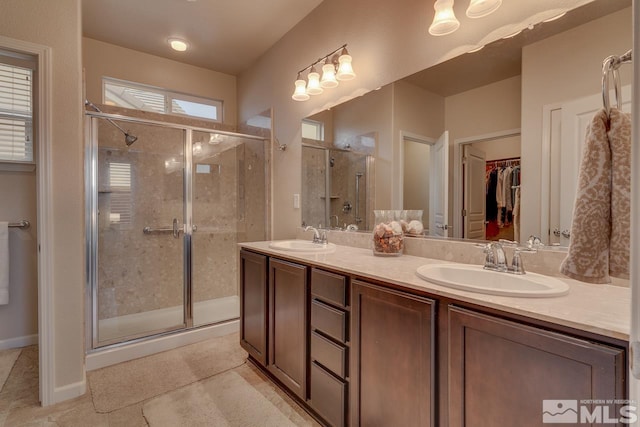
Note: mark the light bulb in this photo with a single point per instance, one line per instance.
(300, 92)
(480, 8)
(328, 75)
(444, 21)
(313, 84)
(179, 45)
(345, 69)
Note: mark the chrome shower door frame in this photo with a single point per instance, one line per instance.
(91, 204)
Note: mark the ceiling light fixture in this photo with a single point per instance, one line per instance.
(336, 67)
(481, 8)
(178, 44)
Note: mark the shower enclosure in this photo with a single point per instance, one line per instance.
(164, 216)
(337, 187)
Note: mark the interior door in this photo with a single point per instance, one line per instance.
(474, 203)
(439, 187)
(576, 116)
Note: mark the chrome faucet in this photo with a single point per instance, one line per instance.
(318, 237)
(337, 221)
(495, 258)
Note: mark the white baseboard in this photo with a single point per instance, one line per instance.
(101, 358)
(69, 391)
(18, 342)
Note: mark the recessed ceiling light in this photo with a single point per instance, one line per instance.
(177, 44)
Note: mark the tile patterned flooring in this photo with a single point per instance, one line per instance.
(235, 394)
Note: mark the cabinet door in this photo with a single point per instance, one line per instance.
(500, 371)
(392, 358)
(253, 305)
(288, 324)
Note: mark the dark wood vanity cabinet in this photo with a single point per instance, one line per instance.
(253, 305)
(500, 371)
(392, 361)
(288, 325)
(328, 391)
(361, 354)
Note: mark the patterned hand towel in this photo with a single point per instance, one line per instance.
(599, 244)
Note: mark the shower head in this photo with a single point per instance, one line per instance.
(128, 138)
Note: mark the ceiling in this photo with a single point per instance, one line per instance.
(224, 35)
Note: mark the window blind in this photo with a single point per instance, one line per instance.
(16, 112)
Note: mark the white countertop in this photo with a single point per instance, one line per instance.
(600, 309)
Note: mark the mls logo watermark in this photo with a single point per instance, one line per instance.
(614, 411)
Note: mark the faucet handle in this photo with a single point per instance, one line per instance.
(517, 267)
(534, 242)
(489, 259)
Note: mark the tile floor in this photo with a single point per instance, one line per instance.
(204, 384)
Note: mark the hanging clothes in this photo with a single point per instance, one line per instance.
(491, 206)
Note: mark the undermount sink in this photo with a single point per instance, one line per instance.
(302, 246)
(474, 278)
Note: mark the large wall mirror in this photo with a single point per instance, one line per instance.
(490, 140)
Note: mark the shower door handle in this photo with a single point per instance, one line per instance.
(176, 230)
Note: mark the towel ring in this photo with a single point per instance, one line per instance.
(610, 65)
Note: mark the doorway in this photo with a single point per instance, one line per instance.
(478, 163)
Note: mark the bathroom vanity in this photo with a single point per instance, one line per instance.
(361, 340)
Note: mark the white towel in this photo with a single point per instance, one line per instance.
(4, 263)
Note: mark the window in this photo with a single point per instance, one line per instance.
(120, 184)
(16, 107)
(149, 98)
(313, 130)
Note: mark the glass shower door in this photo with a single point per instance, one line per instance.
(140, 235)
(228, 205)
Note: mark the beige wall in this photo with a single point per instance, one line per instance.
(387, 43)
(57, 24)
(415, 111)
(19, 318)
(500, 148)
(102, 59)
(548, 76)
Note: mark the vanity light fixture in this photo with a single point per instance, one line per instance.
(336, 67)
(178, 44)
(313, 82)
(445, 22)
(481, 8)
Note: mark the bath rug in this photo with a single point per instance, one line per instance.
(124, 384)
(226, 400)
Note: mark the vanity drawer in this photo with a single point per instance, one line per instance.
(329, 320)
(329, 287)
(330, 355)
(328, 396)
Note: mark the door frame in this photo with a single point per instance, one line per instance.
(458, 182)
(48, 393)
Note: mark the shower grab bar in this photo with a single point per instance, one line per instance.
(23, 223)
(357, 213)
